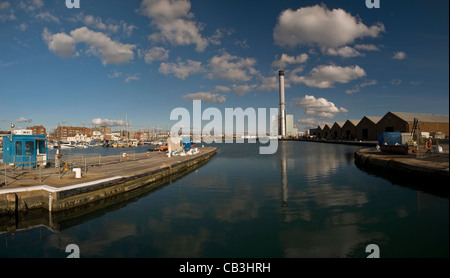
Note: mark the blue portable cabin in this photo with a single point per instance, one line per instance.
(29, 149)
(186, 143)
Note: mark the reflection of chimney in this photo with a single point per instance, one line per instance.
(282, 131)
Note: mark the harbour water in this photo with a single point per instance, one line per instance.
(308, 200)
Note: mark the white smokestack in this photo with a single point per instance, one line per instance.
(282, 105)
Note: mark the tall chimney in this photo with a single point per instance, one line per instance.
(282, 105)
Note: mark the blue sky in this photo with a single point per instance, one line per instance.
(114, 59)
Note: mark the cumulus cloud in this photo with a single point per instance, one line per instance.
(358, 87)
(181, 69)
(106, 122)
(400, 55)
(109, 51)
(286, 60)
(61, 44)
(319, 107)
(206, 97)
(326, 76)
(319, 26)
(231, 68)
(156, 54)
(175, 23)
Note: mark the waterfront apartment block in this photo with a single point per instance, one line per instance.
(38, 130)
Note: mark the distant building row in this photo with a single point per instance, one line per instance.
(369, 128)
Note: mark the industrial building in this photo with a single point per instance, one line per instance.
(369, 128)
(336, 130)
(403, 122)
(349, 129)
(366, 129)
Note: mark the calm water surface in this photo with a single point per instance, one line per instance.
(307, 200)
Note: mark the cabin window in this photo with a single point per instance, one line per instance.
(29, 148)
(41, 147)
(18, 147)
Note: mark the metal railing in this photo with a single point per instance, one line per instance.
(22, 167)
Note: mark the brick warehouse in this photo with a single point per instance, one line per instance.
(403, 122)
(326, 131)
(349, 129)
(336, 130)
(319, 131)
(366, 129)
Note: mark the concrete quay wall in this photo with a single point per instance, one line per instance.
(68, 197)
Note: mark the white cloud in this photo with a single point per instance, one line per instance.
(396, 82)
(22, 27)
(218, 35)
(400, 55)
(327, 76)
(156, 54)
(220, 88)
(110, 52)
(115, 74)
(231, 68)
(241, 90)
(358, 87)
(23, 120)
(109, 26)
(345, 52)
(319, 107)
(206, 97)
(319, 26)
(174, 22)
(6, 11)
(47, 16)
(106, 122)
(61, 44)
(31, 5)
(181, 69)
(131, 77)
(310, 123)
(367, 47)
(286, 60)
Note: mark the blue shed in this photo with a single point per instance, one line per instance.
(30, 149)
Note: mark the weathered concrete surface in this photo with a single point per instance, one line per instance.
(58, 194)
(433, 165)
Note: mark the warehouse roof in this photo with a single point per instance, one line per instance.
(409, 117)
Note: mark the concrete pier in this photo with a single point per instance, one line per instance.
(49, 190)
(433, 166)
